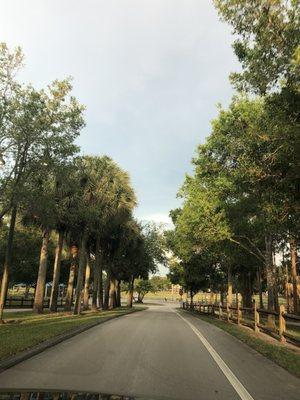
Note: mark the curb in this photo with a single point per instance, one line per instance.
(39, 348)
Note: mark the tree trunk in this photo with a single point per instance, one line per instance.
(106, 291)
(97, 268)
(56, 272)
(86, 292)
(118, 294)
(82, 261)
(130, 293)
(271, 279)
(222, 297)
(38, 304)
(229, 285)
(100, 287)
(259, 283)
(192, 297)
(112, 293)
(141, 296)
(293, 250)
(246, 290)
(7, 262)
(73, 268)
(26, 294)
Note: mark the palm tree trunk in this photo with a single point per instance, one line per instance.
(73, 268)
(293, 250)
(7, 262)
(97, 268)
(130, 293)
(112, 293)
(82, 261)
(56, 272)
(100, 287)
(86, 292)
(106, 292)
(118, 294)
(38, 304)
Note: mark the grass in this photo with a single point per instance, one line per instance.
(283, 356)
(26, 329)
(293, 330)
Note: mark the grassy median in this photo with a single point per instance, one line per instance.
(24, 330)
(287, 358)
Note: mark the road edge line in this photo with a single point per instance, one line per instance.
(233, 380)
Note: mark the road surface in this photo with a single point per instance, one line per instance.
(161, 353)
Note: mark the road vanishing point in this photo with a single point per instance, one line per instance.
(161, 352)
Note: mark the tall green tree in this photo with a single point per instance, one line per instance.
(39, 133)
(267, 42)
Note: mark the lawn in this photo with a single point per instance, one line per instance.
(26, 329)
(283, 356)
(203, 297)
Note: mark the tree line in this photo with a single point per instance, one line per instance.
(239, 220)
(57, 205)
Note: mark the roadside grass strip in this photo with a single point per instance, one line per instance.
(24, 330)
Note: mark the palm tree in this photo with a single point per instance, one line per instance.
(107, 199)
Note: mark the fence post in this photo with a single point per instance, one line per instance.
(256, 317)
(281, 323)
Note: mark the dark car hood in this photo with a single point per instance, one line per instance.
(68, 395)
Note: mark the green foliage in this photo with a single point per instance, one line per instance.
(242, 202)
(56, 190)
(267, 42)
(244, 188)
(160, 283)
(142, 287)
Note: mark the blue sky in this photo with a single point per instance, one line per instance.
(150, 73)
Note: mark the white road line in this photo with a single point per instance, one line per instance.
(236, 384)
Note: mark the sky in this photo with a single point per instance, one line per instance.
(150, 73)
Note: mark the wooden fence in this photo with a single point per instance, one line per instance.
(256, 318)
(22, 302)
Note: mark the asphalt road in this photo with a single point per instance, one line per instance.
(158, 353)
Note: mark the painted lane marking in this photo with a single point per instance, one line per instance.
(233, 380)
